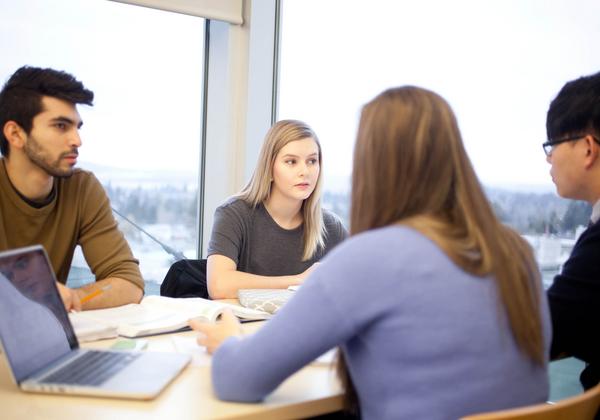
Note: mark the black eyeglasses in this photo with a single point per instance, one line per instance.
(549, 145)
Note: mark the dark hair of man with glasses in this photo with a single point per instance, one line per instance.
(574, 113)
(573, 151)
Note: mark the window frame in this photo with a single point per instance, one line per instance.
(239, 98)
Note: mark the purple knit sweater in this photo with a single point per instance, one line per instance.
(422, 338)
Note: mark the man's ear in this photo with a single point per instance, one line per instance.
(592, 151)
(15, 135)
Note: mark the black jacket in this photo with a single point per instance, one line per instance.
(574, 300)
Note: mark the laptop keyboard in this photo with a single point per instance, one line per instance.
(92, 368)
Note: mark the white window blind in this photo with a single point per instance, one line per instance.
(224, 10)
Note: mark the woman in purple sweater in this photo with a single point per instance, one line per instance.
(436, 306)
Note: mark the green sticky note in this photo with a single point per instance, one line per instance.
(127, 344)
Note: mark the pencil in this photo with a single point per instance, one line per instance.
(95, 293)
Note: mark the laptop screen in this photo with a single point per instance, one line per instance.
(34, 325)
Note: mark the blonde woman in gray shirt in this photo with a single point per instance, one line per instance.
(271, 233)
(436, 306)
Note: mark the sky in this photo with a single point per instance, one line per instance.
(498, 63)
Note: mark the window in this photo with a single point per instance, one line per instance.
(499, 64)
(142, 137)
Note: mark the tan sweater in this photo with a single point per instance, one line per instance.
(79, 214)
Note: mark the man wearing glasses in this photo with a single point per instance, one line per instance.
(573, 151)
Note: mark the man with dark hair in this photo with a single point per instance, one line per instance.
(573, 150)
(44, 200)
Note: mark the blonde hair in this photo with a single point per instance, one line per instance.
(258, 188)
(411, 168)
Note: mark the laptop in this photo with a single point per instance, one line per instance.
(41, 348)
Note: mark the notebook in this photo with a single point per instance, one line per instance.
(42, 350)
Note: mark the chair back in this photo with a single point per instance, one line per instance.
(186, 278)
(580, 407)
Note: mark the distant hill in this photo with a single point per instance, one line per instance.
(538, 211)
(164, 196)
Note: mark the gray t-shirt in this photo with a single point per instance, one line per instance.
(258, 245)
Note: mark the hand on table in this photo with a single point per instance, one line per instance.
(212, 335)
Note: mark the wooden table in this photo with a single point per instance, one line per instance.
(312, 391)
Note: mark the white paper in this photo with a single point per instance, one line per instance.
(188, 345)
(90, 330)
(326, 358)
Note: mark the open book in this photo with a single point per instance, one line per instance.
(154, 315)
